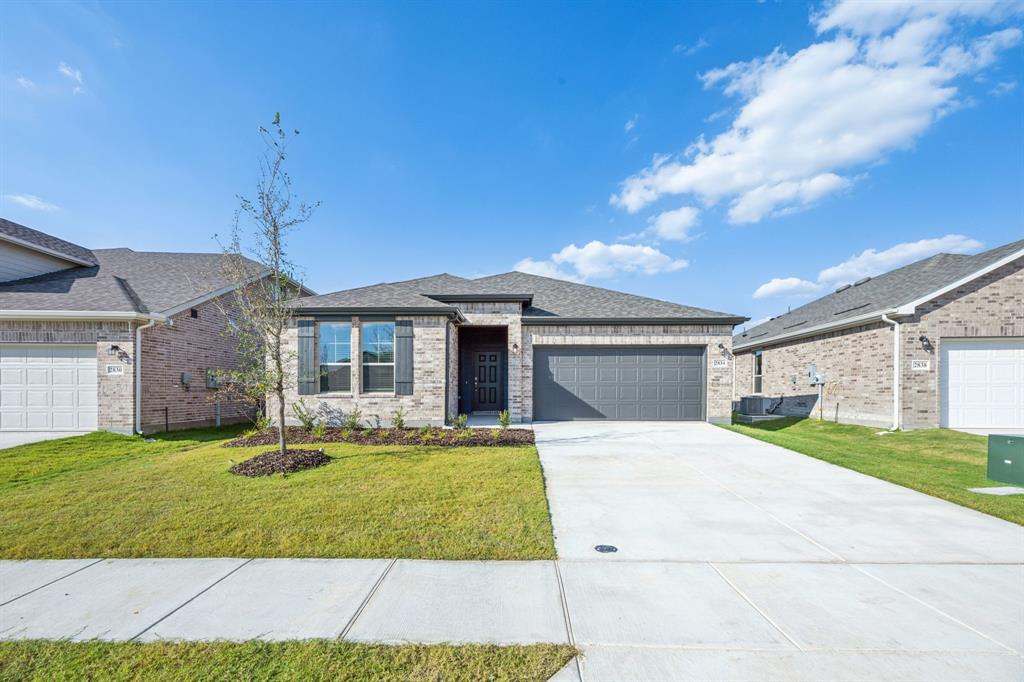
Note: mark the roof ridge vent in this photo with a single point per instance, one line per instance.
(863, 280)
(843, 288)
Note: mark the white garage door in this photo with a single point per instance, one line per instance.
(983, 383)
(47, 387)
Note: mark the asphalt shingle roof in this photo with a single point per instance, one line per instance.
(46, 241)
(883, 292)
(121, 281)
(551, 298)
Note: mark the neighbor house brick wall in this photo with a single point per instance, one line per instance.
(426, 405)
(990, 306)
(190, 345)
(719, 379)
(115, 393)
(858, 362)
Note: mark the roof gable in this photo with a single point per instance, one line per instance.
(45, 243)
(547, 299)
(122, 281)
(910, 284)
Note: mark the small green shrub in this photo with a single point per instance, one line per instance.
(319, 431)
(398, 419)
(259, 425)
(504, 419)
(306, 418)
(460, 422)
(353, 420)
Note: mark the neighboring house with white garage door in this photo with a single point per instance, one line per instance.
(939, 342)
(544, 349)
(72, 320)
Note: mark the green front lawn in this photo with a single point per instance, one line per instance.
(306, 660)
(103, 495)
(938, 462)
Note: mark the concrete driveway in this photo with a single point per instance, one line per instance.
(741, 560)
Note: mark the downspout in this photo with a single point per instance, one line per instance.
(138, 373)
(896, 375)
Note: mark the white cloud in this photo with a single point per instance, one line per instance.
(786, 286)
(871, 262)
(73, 74)
(26, 83)
(693, 49)
(868, 263)
(31, 201)
(887, 71)
(674, 225)
(1004, 88)
(597, 260)
(631, 123)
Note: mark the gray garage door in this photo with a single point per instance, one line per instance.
(575, 382)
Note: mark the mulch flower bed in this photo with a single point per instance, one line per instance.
(275, 463)
(388, 436)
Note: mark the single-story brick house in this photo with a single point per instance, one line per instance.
(937, 343)
(544, 349)
(73, 321)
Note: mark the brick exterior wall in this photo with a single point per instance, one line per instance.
(719, 379)
(990, 306)
(501, 314)
(116, 393)
(427, 404)
(857, 362)
(190, 345)
(436, 362)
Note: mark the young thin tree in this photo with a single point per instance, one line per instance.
(261, 309)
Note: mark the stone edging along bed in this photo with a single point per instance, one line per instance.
(435, 436)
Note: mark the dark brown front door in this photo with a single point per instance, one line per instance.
(487, 391)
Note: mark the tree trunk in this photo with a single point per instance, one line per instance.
(281, 446)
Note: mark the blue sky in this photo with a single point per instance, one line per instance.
(702, 153)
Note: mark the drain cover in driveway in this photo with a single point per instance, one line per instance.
(606, 549)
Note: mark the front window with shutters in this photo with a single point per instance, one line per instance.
(378, 348)
(335, 356)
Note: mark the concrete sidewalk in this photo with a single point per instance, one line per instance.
(633, 620)
(737, 560)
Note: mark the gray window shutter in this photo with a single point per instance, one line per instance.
(403, 357)
(307, 357)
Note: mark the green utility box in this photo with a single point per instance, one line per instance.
(1006, 459)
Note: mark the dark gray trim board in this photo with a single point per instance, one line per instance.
(308, 361)
(539, 321)
(455, 298)
(363, 313)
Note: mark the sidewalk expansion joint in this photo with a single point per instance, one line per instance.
(190, 599)
(366, 600)
(66, 575)
(567, 618)
(757, 608)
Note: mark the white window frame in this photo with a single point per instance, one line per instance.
(757, 377)
(322, 364)
(363, 363)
